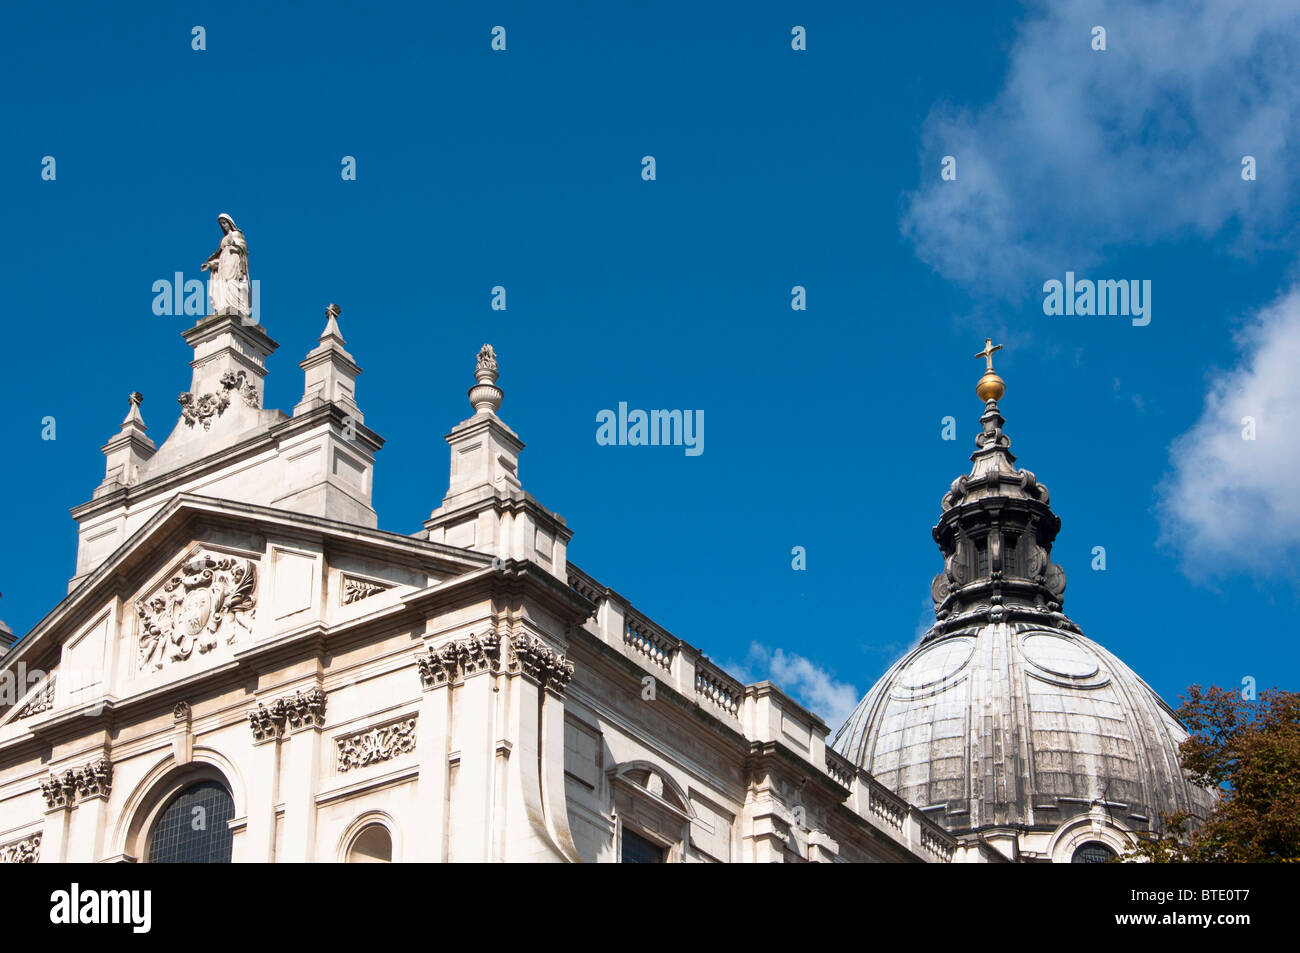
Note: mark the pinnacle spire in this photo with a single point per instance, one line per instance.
(127, 450)
(133, 419)
(330, 371)
(331, 333)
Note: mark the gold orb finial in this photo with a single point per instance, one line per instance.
(990, 386)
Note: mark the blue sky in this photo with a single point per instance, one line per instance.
(775, 168)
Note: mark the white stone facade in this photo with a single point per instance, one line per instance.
(237, 620)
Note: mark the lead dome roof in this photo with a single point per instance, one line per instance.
(1006, 714)
(1015, 723)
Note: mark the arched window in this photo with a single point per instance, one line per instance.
(194, 827)
(373, 845)
(1092, 852)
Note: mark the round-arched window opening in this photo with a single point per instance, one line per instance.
(194, 827)
(1092, 852)
(374, 845)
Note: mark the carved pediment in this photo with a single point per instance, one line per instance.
(209, 600)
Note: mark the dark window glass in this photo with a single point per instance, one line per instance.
(374, 845)
(981, 557)
(1092, 853)
(1009, 555)
(638, 850)
(194, 827)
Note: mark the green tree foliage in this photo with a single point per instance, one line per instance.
(1250, 752)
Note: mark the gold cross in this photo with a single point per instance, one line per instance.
(987, 353)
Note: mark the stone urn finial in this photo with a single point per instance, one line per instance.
(485, 396)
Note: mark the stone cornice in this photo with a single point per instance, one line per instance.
(176, 514)
(501, 503)
(263, 442)
(515, 579)
(524, 655)
(306, 641)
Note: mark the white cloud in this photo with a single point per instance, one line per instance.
(1082, 151)
(1232, 503)
(803, 680)
(924, 621)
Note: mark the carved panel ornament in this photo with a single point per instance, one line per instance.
(42, 701)
(25, 851)
(376, 745)
(354, 590)
(211, 596)
(90, 780)
(528, 655)
(299, 710)
(203, 409)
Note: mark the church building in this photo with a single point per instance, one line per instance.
(246, 668)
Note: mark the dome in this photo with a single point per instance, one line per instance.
(1006, 716)
(1021, 724)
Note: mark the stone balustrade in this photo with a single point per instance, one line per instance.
(718, 688)
(643, 636)
(687, 670)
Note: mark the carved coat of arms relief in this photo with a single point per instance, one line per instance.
(209, 600)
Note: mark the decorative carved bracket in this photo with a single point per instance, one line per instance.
(91, 780)
(528, 656)
(457, 659)
(290, 713)
(540, 662)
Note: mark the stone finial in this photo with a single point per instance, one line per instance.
(332, 312)
(485, 396)
(135, 398)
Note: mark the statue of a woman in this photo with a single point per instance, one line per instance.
(227, 268)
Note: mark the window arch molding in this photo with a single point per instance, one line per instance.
(650, 777)
(1089, 829)
(650, 804)
(358, 826)
(155, 790)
